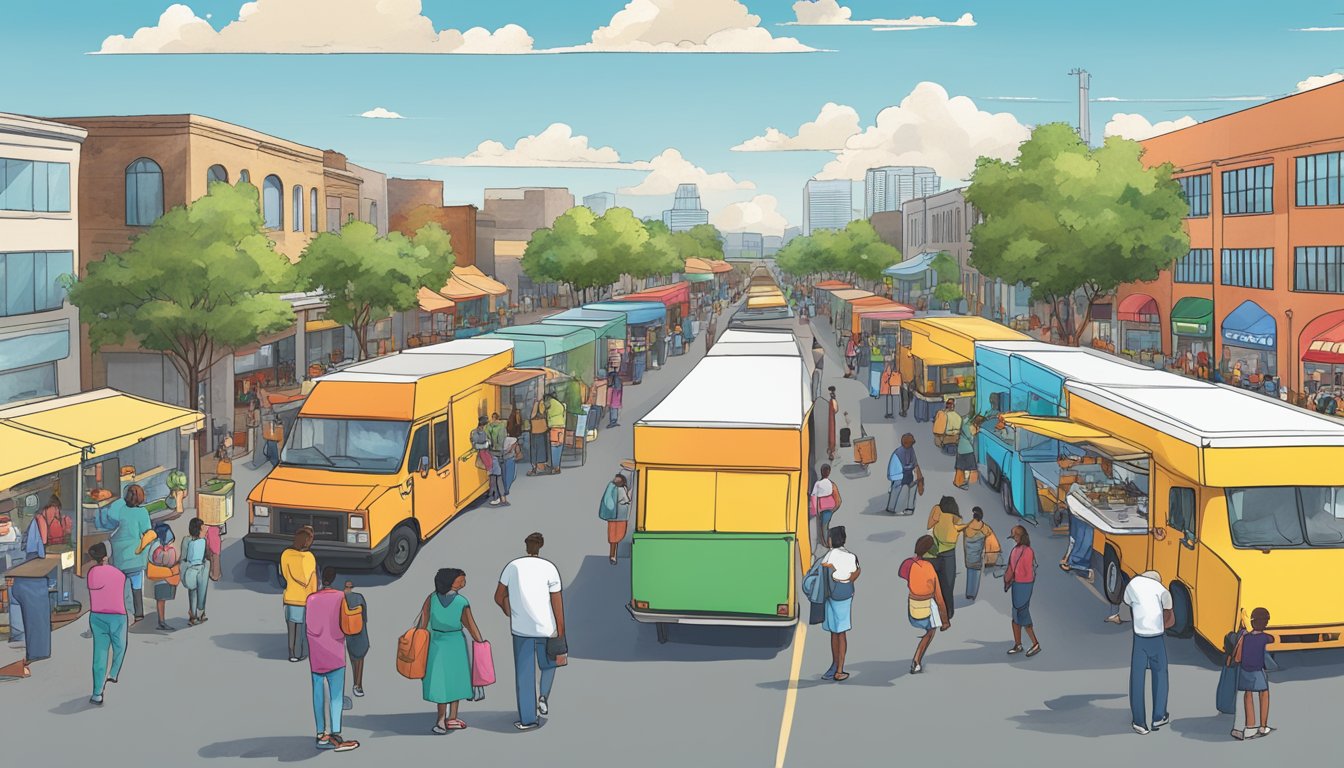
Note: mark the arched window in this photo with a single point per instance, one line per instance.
(373, 213)
(216, 173)
(144, 193)
(244, 177)
(273, 202)
(296, 208)
(312, 209)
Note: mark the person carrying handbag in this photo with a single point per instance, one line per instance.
(164, 570)
(539, 448)
(1020, 579)
(448, 673)
(823, 501)
(1253, 663)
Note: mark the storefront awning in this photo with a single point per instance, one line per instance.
(480, 281)
(912, 268)
(934, 354)
(609, 325)
(1327, 348)
(636, 312)
(720, 267)
(430, 301)
(832, 285)
(667, 295)
(1192, 316)
(1250, 326)
(698, 277)
(1137, 308)
(105, 420)
(512, 377)
(314, 326)
(1075, 434)
(28, 455)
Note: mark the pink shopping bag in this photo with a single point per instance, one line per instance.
(482, 664)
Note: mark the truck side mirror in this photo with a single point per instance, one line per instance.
(424, 466)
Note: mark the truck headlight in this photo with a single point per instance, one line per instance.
(261, 510)
(353, 537)
(357, 522)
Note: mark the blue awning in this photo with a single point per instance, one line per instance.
(1250, 326)
(912, 268)
(636, 312)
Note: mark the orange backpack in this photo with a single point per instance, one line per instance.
(352, 621)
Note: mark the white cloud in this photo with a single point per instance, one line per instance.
(829, 13)
(669, 169)
(382, 114)
(1137, 127)
(313, 26)
(1116, 100)
(1320, 29)
(759, 214)
(932, 129)
(555, 147)
(686, 26)
(829, 131)
(1316, 81)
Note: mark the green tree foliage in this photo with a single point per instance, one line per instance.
(659, 255)
(855, 252)
(201, 282)
(367, 277)
(949, 278)
(702, 241)
(583, 251)
(1066, 218)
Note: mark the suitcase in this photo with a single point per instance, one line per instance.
(865, 450)
(844, 437)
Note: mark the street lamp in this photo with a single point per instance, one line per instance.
(1292, 361)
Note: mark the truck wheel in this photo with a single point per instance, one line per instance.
(1006, 494)
(401, 547)
(993, 475)
(1184, 612)
(661, 628)
(1112, 578)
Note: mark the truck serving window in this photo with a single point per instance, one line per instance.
(1266, 518)
(347, 445)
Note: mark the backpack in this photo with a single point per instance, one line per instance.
(352, 620)
(906, 566)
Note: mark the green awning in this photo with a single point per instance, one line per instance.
(696, 277)
(1193, 316)
(609, 325)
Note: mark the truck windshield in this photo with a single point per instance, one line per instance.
(1268, 518)
(348, 445)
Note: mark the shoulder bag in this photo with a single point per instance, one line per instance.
(413, 649)
(352, 620)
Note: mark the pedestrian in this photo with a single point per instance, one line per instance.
(832, 407)
(515, 427)
(1252, 678)
(326, 640)
(615, 396)
(907, 395)
(906, 478)
(196, 570)
(107, 619)
(447, 678)
(50, 526)
(496, 430)
(615, 509)
(947, 426)
(678, 339)
(823, 501)
(129, 521)
(844, 571)
(1020, 578)
(539, 449)
(495, 474)
(298, 569)
(945, 525)
(927, 607)
(894, 386)
(512, 454)
(1269, 386)
(357, 645)
(967, 464)
(273, 434)
(851, 353)
(531, 595)
(876, 371)
(480, 442)
(981, 549)
(711, 333)
(165, 571)
(1151, 607)
(555, 422)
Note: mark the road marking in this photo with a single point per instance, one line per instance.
(791, 696)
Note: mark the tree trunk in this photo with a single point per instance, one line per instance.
(199, 444)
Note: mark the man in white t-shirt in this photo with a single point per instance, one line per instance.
(529, 593)
(1150, 603)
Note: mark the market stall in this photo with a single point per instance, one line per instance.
(882, 322)
(478, 300)
(645, 322)
(434, 319)
(609, 326)
(676, 297)
(840, 307)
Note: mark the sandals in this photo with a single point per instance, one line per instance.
(916, 668)
(1035, 649)
(840, 677)
(1015, 649)
(1265, 730)
(438, 729)
(455, 725)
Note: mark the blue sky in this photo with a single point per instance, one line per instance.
(701, 104)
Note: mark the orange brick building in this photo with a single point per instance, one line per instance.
(1263, 286)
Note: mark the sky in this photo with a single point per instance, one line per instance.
(635, 98)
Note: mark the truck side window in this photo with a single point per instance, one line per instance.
(1181, 510)
(419, 447)
(443, 451)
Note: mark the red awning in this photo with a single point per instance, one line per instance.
(1327, 347)
(832, 285)
(667, 295)
(1137, 308)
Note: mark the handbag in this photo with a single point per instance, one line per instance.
(482, 665)
(555, 648)
(352, 621)
(413, 650)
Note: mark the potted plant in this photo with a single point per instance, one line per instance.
(177, 487)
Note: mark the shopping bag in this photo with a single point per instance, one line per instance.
(482, 665)
(413, 649)
(1226, 698)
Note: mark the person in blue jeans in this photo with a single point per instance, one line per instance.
(1150, 603)
(530, 594)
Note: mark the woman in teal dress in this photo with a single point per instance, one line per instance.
(129, 521)
(448, 668)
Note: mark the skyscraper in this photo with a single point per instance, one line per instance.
(600, 202)
(889, 187)
(685, 211)
(827, 204)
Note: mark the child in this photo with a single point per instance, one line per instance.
(164, 570)
(981, 550)
(1251, 676)
(358, 644)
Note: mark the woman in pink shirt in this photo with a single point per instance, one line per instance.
(1020, 578)
(107, 619)
(326, 659)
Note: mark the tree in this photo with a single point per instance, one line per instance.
(201, 282)
(949, 276)
(1068, 219)
(855, 252)
(659, 255)
(702, 241)
(366, 277)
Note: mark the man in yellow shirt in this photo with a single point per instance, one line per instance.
(946, 526)
(947, 427)
(298, 568)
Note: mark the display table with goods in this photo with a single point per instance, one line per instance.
(214, 503)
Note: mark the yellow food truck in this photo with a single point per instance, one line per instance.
(380, 457)
(1228, 495)
(938, 355)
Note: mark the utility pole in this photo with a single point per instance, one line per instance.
(1084, 102)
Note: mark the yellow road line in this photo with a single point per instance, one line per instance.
(791, 696)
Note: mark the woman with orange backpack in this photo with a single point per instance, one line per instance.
(163, 569)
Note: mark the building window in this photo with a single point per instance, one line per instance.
(244, 177)
(1320, 179)
(216, 173)
(1195, 267)
(144, 193)
(373, 213)
(28, 383)
(333, 214)
(272, 202)
(33, 185)
(1248, 190)
(1319, 268)
(1196, 191)
(1248, 267)
(296, 208)
(312, 209)
(31, 282)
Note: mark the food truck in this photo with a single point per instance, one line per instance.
(938, 355)
(645, 326)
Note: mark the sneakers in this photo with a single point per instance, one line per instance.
(1139, 729)
(494, 502)
(96, 700)
(358, 691)
(336, 743)
(526, 726)
(1112, 619)
(542, 706)
(1159, 723)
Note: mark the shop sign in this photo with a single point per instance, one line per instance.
(1242, 338)
(1189, 329)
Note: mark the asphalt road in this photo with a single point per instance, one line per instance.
(709, 697)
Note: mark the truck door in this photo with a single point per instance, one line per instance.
(464, 413)
(1174, 514)
(432, 495)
